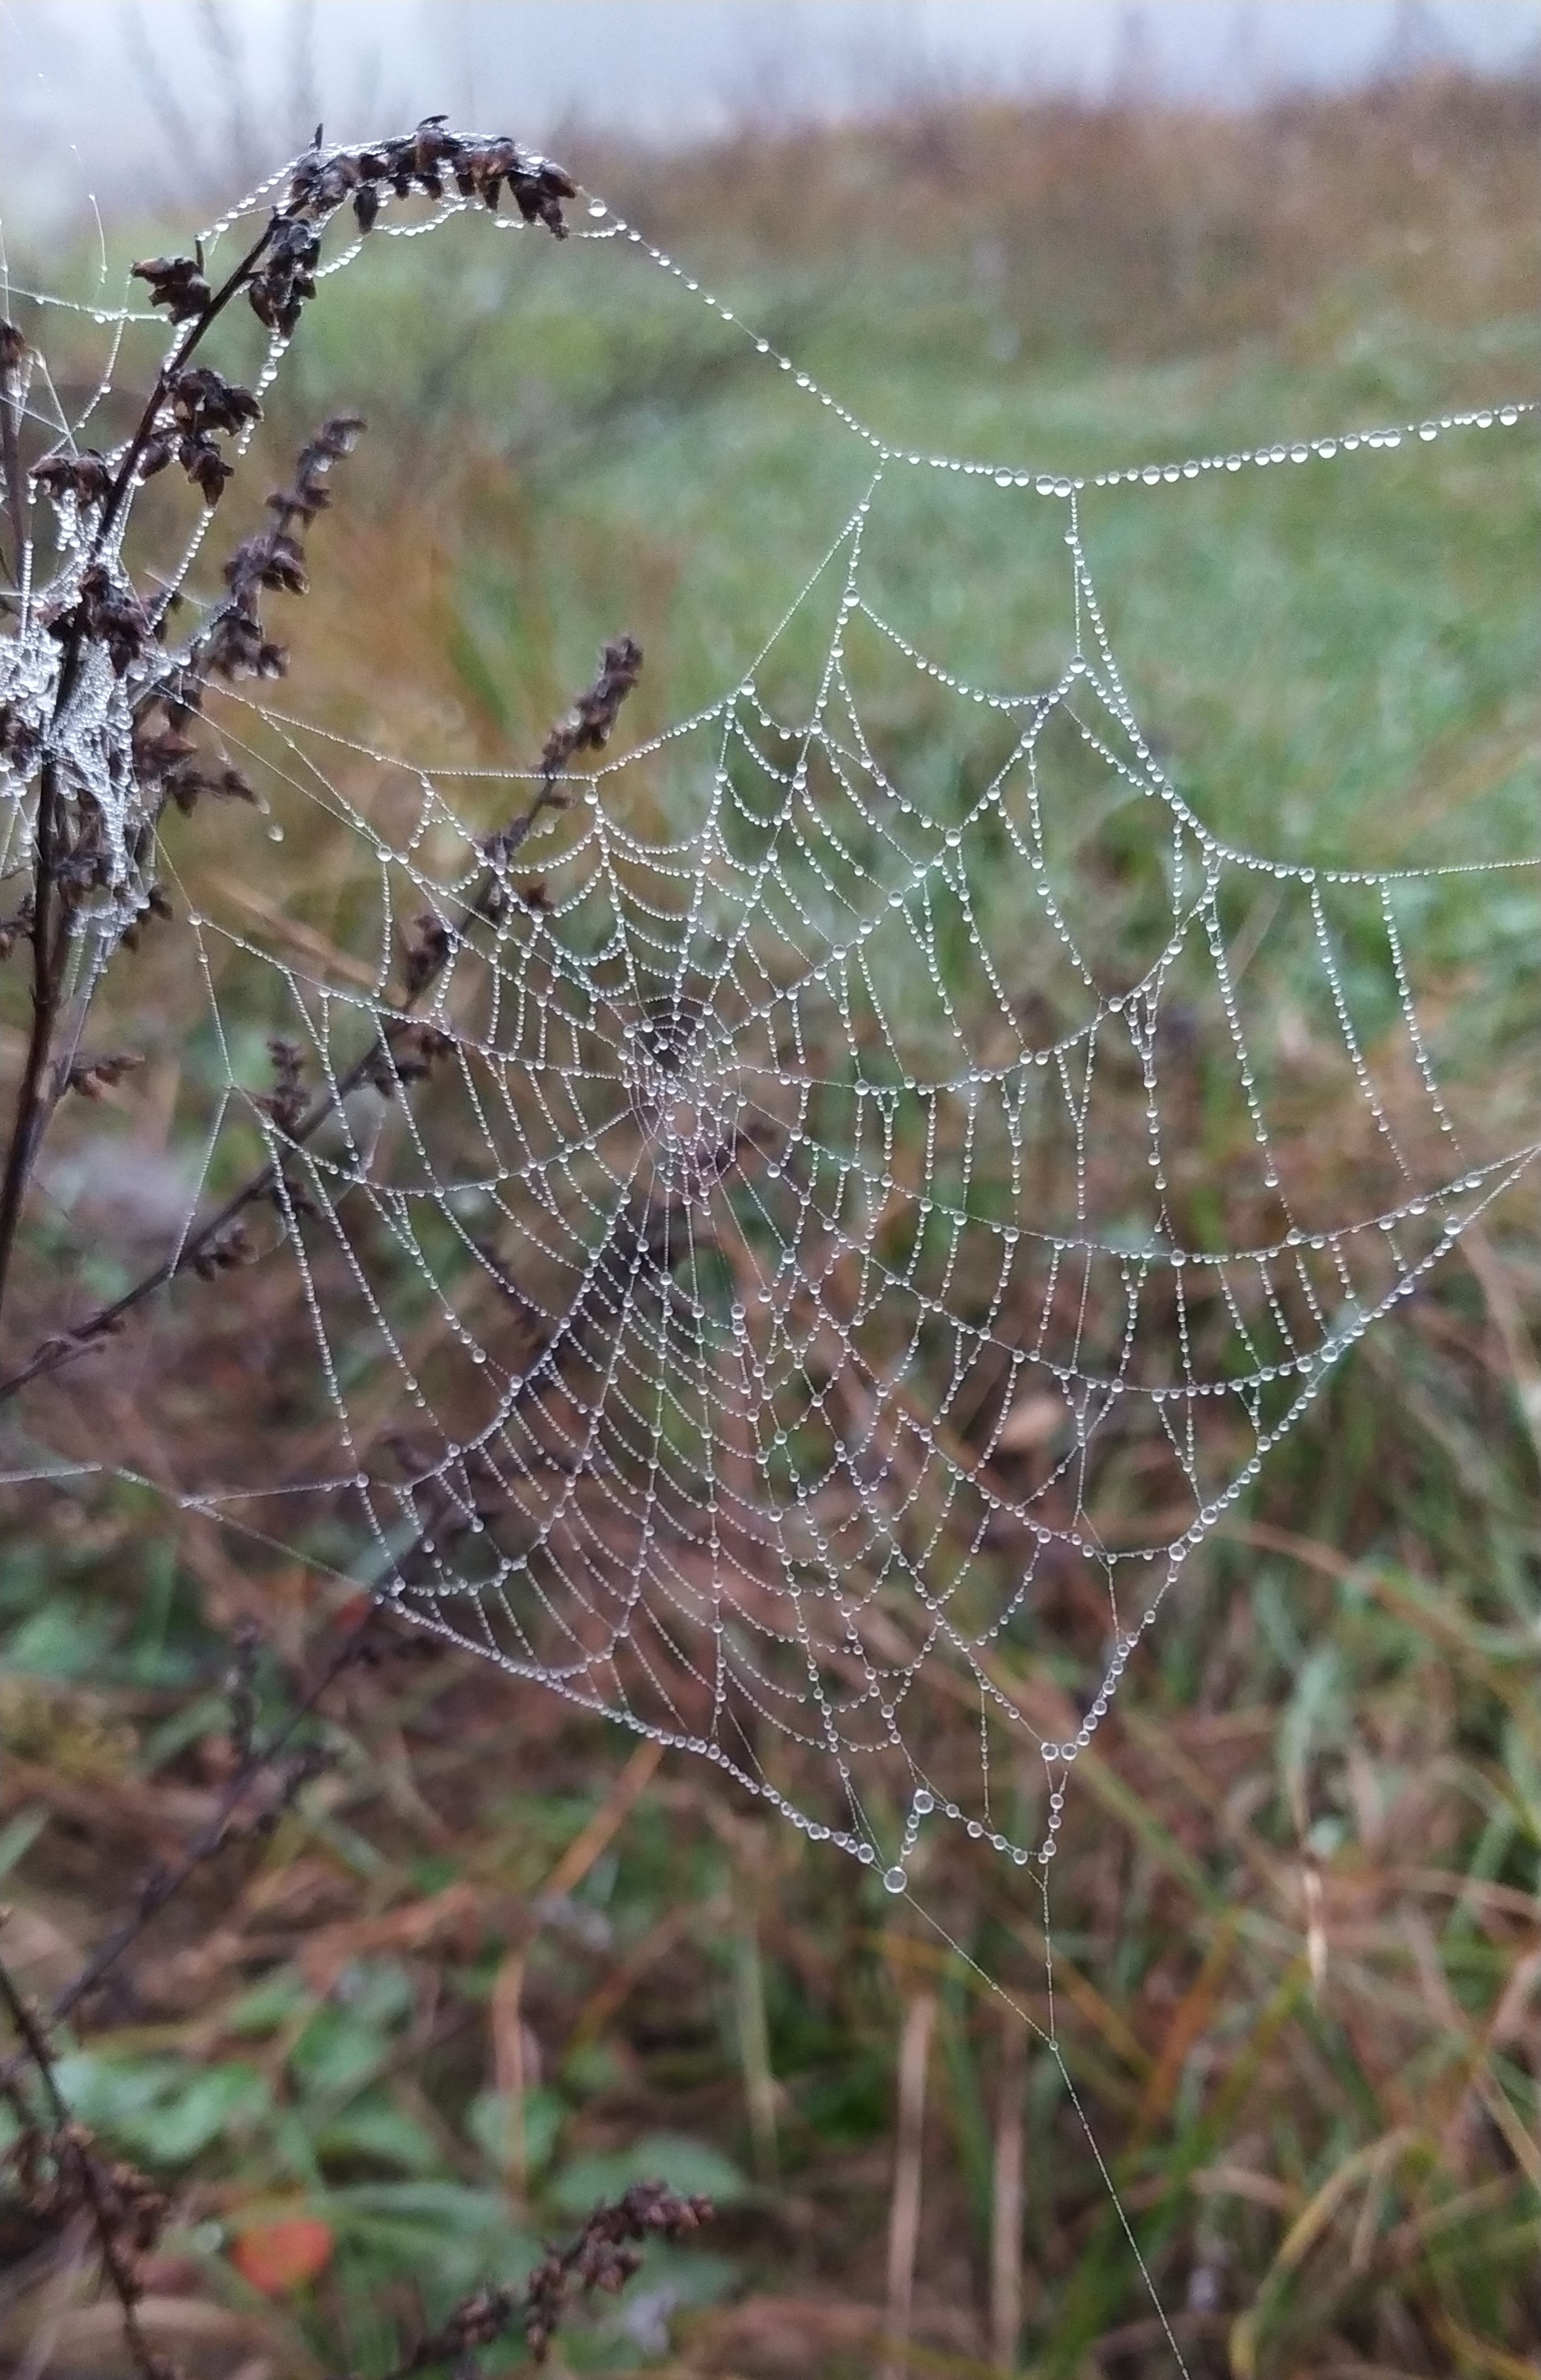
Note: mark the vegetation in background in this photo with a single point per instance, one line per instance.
(493, 1965)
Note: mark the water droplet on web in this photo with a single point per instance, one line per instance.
(895, 1879)
(597, 207)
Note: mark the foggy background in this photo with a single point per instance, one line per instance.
(172, 99)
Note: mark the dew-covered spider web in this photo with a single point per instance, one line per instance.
(769, 1280)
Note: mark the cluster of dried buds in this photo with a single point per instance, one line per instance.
(168, 766)
(200, 406)
(272, 558)
(61, 2180)
(169, 761)
(585, 728)
(105, 612)
(94, 1077)
(87, 477)
(286, 275)
(410, 1057)
(420, 161)
(57, 2172)
(427, 951)
(286, 1102)
(17, 928)
(277, 282)
(606, 2254)
(231, 1253)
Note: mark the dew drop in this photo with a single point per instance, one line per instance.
(893, 1879)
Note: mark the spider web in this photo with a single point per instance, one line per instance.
(784, 1289)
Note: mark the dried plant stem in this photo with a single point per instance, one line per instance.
(754, 2046)
(904, 2223)
(69, 2144)
(1007, 2197)
(505, 2014)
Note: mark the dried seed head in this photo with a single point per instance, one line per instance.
(428, 947)
(588, 725)
(286, 1102)
(94, 1077)
(87, 477)
(236, 1249)
(201, 398)
(175, 283)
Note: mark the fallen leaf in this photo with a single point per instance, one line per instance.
(281, 2255)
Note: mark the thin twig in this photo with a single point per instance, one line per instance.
(904, 2228)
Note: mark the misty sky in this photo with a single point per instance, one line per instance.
(90, 88)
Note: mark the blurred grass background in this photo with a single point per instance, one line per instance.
(501, 1959)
